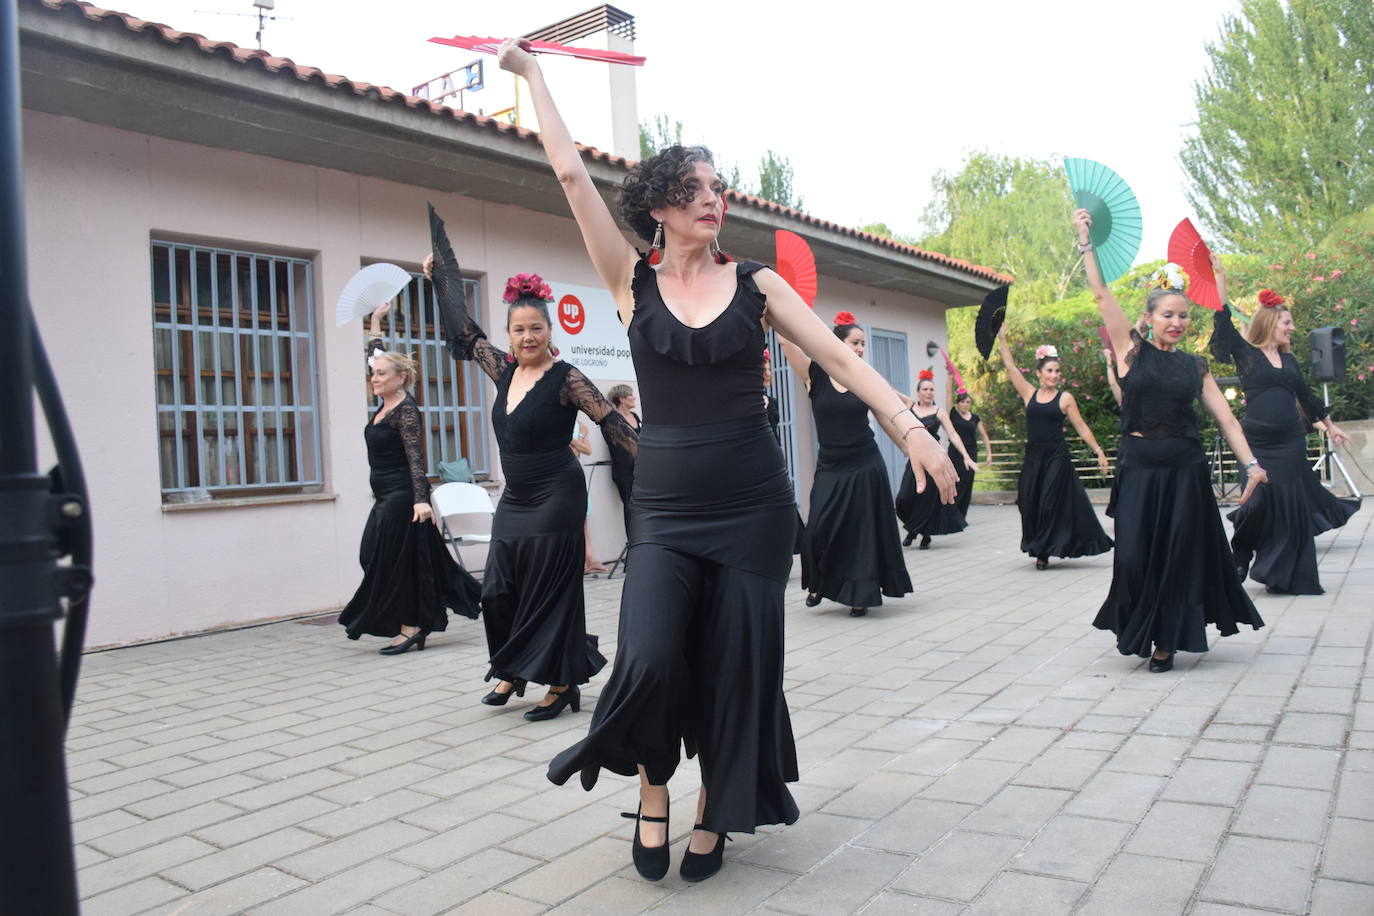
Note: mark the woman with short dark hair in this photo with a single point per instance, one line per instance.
(699, 662)
(922, 514)
(968, 426)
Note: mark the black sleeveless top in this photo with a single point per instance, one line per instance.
(1273, 396)
(968, 432)
(1044, 422)
(1159, 392)
(692, 376)
(841, 417)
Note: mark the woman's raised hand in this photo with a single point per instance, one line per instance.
(514, 55)
(380, 312)
(427, 265)
(1083, 222)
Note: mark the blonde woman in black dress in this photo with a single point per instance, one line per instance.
(700, 659)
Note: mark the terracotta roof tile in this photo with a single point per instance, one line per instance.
(288, 67)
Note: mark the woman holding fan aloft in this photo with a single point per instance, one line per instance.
(921, 512)
(851, 551)
(1056, 517)
(699, 662)
(1274, 531)
(1173, 572)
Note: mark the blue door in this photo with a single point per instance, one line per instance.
(887, 353)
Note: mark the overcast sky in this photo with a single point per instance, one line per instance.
(868, 105)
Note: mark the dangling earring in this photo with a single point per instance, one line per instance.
(656, 249)
(510, 357)
(716, 254)
(553, 351)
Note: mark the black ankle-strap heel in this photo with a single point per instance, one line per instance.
(650, 861)
(698, 866)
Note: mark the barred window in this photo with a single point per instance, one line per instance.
(450, 393)
(234, 365)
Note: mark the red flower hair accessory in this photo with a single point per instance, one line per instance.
(526, 286)
(1270, 299)
(767, 357)
(925, 375)
(844, 319)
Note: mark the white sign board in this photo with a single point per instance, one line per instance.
(588, 333)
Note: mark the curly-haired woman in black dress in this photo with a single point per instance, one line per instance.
(1056, 517)
(851, 553)
(532, 597)
(1274, 531)
(409, 577)
(700, 657)
(1172, 572)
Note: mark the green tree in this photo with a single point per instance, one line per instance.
(658, 135)
(775, 180)
(1284, 144)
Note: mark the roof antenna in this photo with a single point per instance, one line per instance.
(262, 8)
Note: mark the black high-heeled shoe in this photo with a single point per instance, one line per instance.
(925, 542)
(496, 698)
(650, 861)
(570, 696)
(858, 611)
(812, 600)
(698, 866)
(906, 541)
(415, 640)
(1242, 566)
(1160, 665)
(1042, 562)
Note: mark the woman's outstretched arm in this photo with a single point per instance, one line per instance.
(954, 438)
(1220, 409)
(1018, 381)
(613, 257)
(1113, 316)
(1070, 408)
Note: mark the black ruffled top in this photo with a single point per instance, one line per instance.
(690, 376)
(1160, 391)
(1273, 396)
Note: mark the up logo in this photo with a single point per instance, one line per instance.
(571, 315)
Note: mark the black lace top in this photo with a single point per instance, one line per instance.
(1044, 422)
(546, 415)
(1160, 391)
(841, 416)
(398, 440)
(1273, 396)
(691, 376)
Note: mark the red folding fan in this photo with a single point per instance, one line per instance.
(492, 45)
(1189, 251)
(953, 373)
(1106, 341)
(797, 265)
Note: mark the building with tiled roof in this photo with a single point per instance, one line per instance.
(194, 210)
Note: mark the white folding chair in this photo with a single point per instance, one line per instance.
(464, 511)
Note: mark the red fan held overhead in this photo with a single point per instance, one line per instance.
(492, 45)
(797, 265)
(953, 372)
(1189, 251)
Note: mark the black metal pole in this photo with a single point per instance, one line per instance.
(37, 869)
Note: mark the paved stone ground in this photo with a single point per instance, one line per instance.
(979, 749)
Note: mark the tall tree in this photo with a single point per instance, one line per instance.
(1284, 146)
(1009, 214)
(658, 135)
(775, 181)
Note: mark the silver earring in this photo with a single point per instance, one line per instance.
(658, 238)
(714, 249)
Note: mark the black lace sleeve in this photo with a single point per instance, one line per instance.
(410, 424)
(1226, 345)
(468, 342)
(579, 391)
(1311, 405)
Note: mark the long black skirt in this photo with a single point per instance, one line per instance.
(923, 513)
(1057, 519)
(1173, 572)
(851, 551)
(964, 494)
(700, 659)
(409, 577)
(532, 600)
(1276, 526)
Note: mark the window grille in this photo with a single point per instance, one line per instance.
(235, 372)
(450, 393)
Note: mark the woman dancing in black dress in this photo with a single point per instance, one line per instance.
(969, 426)
(622, 398)
(774, 415)
(851, 552)
(532, 588)
(1172, 573)
(922, 513)
(1056, 517)
(700, 658)
(1274, 531)
(409, 577)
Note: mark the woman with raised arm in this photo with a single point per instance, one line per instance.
(969, 427)
(1173, 572)
(409, 577)
(921, 511)
(851, 553)
(700, 654)
(532, 597)
(1056, 517)
(1274, 531)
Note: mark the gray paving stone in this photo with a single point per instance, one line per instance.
(1117, 796)
(738, 888)
(893, 903)
(239, 895)
(342, 892)
(1136, 884)
(841, 883)
(1062, 768)
(808, 842)
(960, 867)
(1018, 811)
(1312, 728)
(972, 781)
(876, 795)
(138, 897)
(1013, 893)
(1269, 874)
(1018, 744)
(245, 857)
(1178, 831)
(1349, 854)
(572, 872)
(1072, 847)
(1285, 813)
(461, 881)
(496, 902)
(1341, 898)
(346, 852)
(1209, 782)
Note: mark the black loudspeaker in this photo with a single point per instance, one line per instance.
(1328, 354)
